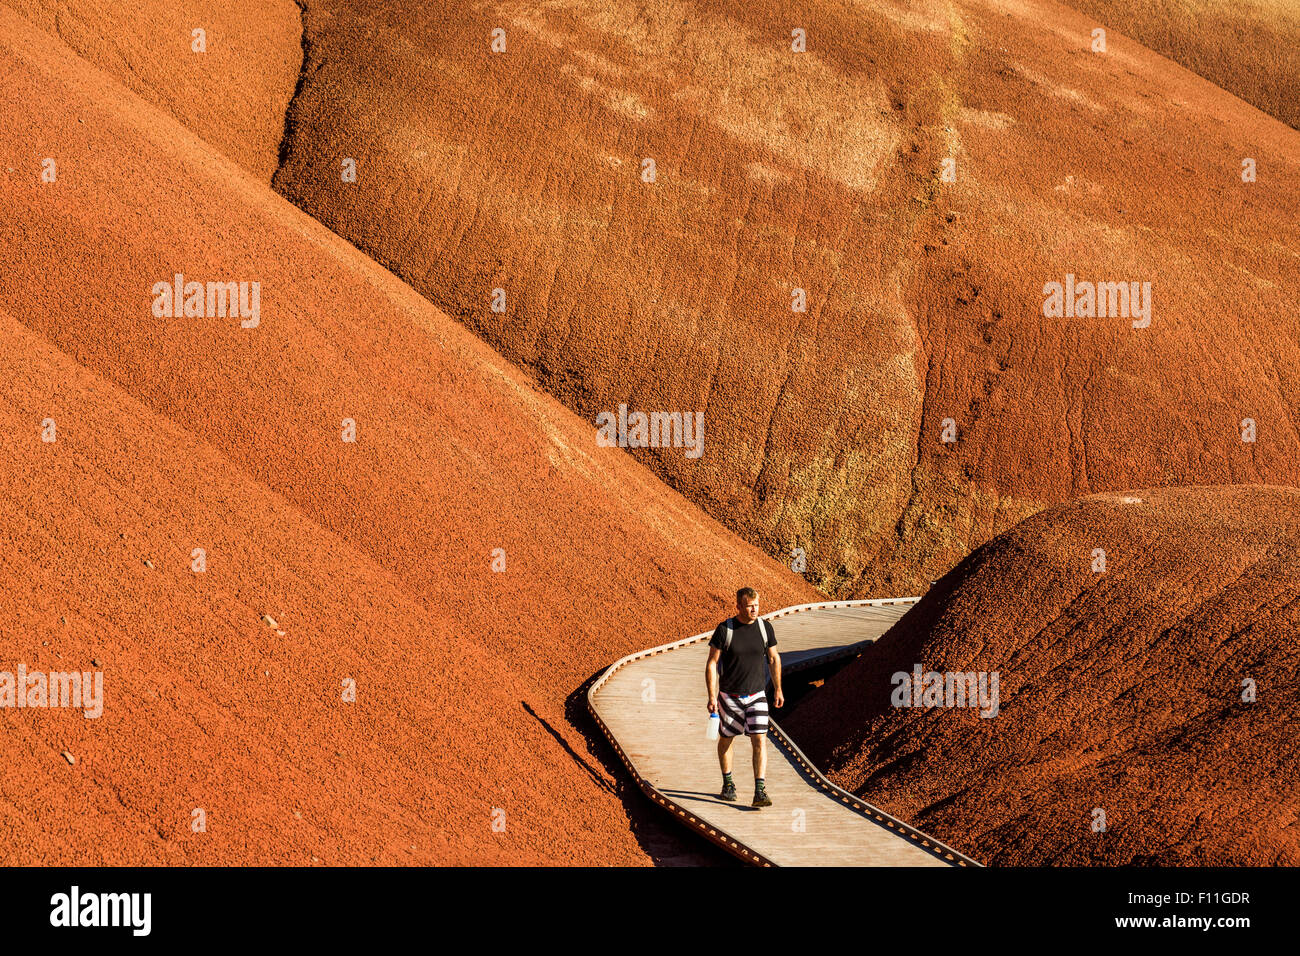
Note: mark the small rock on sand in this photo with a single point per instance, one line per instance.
(269, 621)
(69, 758)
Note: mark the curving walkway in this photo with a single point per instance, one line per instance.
(651, 707)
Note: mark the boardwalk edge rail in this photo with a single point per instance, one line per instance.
(720, 836)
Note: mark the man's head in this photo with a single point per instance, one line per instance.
(746, 605)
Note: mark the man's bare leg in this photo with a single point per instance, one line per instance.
(761, 799)
(760, 756)
(724, 753)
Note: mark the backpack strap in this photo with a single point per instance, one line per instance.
(726, 633)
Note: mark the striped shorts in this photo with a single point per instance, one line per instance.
(742, 715)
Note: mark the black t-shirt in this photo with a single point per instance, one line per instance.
(743, 665)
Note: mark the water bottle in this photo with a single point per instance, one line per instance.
(715, 721)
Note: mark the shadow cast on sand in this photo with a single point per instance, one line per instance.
(666, 842)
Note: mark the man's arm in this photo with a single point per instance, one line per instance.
(711, 678)
(774, 665)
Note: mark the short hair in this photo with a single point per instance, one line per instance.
(746, 593)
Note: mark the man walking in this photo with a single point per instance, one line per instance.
(743, 648)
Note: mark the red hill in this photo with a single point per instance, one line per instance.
(373, 558)
(1120, 691)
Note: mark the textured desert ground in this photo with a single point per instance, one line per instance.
(1160, 690)
(374, 559)
(821, 172)
(821, 178)
(1248, 47)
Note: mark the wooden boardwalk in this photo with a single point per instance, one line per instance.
(651, 707)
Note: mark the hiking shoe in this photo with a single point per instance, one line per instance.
(761, 799)
(728, 793)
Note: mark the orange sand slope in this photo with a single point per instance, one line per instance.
(1119, 692)
(373, 557)
(1248, 47)
(232, 92)
(822, 171)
